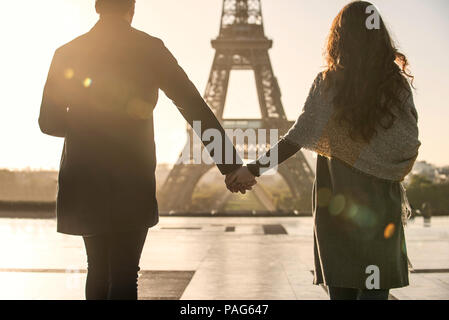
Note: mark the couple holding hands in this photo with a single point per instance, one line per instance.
(359, 117)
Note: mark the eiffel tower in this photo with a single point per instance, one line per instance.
(241, 45)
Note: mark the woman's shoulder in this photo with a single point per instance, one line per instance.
(318, 97)
(319, 79)
(323, 85)
(407, 103)
(317, 84)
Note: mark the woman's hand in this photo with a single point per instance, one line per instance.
(240, 180)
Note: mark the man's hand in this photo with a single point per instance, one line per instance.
(241, 180)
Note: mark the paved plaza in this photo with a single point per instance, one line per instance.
(207, 258)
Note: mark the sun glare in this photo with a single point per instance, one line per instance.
(87, 82)
(37, 29)
(69, 73)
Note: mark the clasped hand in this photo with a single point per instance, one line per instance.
(241, 180)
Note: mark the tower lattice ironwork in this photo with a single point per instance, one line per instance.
(241, 45)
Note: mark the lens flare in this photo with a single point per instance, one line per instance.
(87, 82)
(389, 231)
(352, 211)
(69, 73)
(337, 205)
(324, 197)
(139, 109)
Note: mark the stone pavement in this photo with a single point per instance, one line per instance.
(206, 258)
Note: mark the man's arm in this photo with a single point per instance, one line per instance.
(178, 87)
(53, 113)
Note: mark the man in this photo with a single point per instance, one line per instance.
(100, 94)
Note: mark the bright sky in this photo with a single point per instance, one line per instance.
(32, 30)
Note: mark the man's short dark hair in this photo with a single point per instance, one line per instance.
(114, 6)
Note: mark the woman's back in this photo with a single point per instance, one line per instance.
(389, 154)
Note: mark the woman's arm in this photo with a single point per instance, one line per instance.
(244, 176)
(285, 150)
(306, 130)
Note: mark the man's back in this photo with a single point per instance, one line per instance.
(108, 81)
(100, 95)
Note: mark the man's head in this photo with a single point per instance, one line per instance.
(123, 8)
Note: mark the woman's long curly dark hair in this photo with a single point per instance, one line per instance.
(367, 71)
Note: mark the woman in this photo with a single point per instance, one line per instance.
(361, 120)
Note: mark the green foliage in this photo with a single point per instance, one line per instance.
(246, 202)
(204, 197)
(421, 190)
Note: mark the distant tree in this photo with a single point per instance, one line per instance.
(421, 190)
(419, 181)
